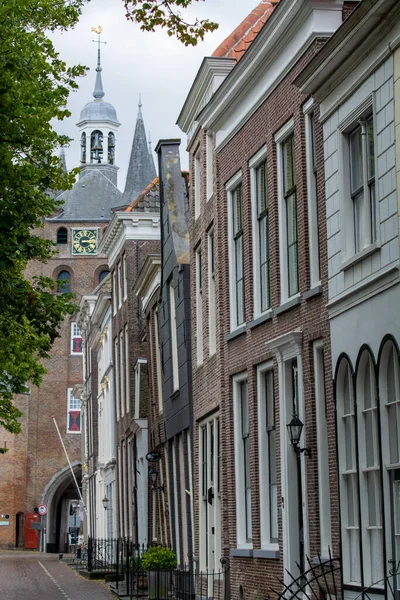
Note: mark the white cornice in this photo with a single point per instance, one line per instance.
(149, 279)
(287, 34)
(212, 72)
(103, 304)
(126, 226)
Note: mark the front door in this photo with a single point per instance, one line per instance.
(394, 559)
(210, 511)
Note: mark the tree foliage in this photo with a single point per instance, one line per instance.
(165, 13)
(34, 87)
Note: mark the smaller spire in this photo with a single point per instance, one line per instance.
(63, 160)
(98, 87)
(140, 107)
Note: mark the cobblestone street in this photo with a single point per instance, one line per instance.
(36, 576)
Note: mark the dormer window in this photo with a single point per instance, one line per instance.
(96, 146)
(83, 148)
(111, 148)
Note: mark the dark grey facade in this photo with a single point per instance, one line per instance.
(175, 321)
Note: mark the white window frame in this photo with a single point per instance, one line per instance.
(324, 496)
(199, 307)
(119, 285)
(158, 363)
(243, 519)
(138, 374)
(312, 196)
(174, 338)
(114, 298)
(268, 540)
(230, 188)
(212, 326)
(280, 138)
(365, 110)
(116, 371)
(127, 386)
(125, 278)
(197, 184)
(209, 164)
(75, 333)
(254, 163)
(70, 407)
(122, 371)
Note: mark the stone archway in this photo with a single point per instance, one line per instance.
(57, 496)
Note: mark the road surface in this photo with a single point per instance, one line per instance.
(37, 576)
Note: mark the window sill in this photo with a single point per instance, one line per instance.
(267, 316)
(312, 292)
(288, 305)
(236, 333)
(274, 554)
(242, 552)
(353, 260)
(174, 395)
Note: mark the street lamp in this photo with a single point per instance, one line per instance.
(295, 428)
(153, 473)
(106, 502)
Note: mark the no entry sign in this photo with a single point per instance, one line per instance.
(42, 509)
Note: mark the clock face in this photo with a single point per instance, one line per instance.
(84, 241)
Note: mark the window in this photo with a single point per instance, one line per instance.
(76, 339)
(237, 233)
(199, 308)
(96, 146)
(119, 285)
(83, 148)
(267, 456)
(174, 339)
(64, 282)
(211, 294)
(158, 363)
(139, 363)
(242, 462)
(127, 369)
(116, 371)
(312, 201)
(196, 187)
(62, 236)
(287, 209)
(74, 413)
(111, 148)
(209, 165)
(125, 277)
(103, 275)
(122, 372)
(362, 183)
(114, 298)
(322, 444)
(261, 243)
(289, 191)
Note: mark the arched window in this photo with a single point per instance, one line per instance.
(96, 146)
(83, 147)
(111, 148)
(64, 282)
(389, 385)
(103, 275)
(62, 236)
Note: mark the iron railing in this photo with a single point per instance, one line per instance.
(102, 555)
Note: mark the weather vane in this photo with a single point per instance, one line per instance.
(98, 30)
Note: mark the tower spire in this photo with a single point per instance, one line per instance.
(98, 92)
(140, 107)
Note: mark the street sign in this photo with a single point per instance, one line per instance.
(4, 522)
(42, 509)
(38, 526)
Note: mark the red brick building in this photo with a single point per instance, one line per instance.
(261, 344)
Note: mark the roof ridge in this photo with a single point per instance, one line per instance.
(142, 194)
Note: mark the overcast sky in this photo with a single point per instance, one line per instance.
(158, 67)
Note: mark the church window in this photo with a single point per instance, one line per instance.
(96, 146)
(62, 236)
(111, 148)
(64, 282)
(103, 275)
(74, 413)
(83, 147)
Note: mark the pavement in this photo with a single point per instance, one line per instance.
(39, 576)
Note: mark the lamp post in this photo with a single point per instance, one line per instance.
(153, 473)
(295, 429)
(106, 502)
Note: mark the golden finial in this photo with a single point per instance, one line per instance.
(97, 29)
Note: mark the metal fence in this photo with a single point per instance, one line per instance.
(102, 555)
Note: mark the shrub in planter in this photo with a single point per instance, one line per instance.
(159, 563)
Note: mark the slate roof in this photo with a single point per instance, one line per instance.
(148, 200)
(237, 42)
(91, 197)
(141, 169)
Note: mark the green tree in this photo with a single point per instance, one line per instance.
(165, 13)
(34, 87)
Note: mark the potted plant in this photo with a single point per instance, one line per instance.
(159, 562)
